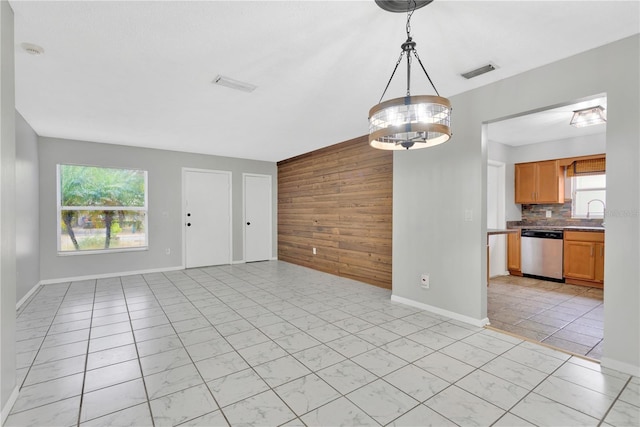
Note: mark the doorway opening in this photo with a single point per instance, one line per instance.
(565, 315)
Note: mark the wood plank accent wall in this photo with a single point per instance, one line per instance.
(338, 199)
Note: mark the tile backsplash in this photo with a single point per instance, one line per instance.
(560, 216)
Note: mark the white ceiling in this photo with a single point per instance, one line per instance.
(550, 124)
(139, 73)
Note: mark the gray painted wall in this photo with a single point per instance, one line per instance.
(165, 204)
(7, 211)
(27, 209)
(572, 147)
(434, 187)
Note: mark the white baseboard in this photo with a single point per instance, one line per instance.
(616, 365)
(4, 413)
(27, 296)
(462, 318)
(108, 275)
(244, 262)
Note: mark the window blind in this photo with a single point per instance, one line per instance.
(587, 167)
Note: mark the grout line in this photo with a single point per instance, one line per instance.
(135, 344)
(614, 401)
(86, 356)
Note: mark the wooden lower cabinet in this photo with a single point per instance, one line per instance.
(584, 258)
(513, 254)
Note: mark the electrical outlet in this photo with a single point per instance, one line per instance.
(424, 281)
(468, 215)
(548, 214)
(315, 252)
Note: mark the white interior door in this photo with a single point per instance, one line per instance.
(496, 218)
(257, 217)
(207, 217)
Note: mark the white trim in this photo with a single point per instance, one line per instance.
(442, 312)
(9, 405)
(184, 210)
(60, 208)
(27, 295)
(244, 212)
(102, 251)
(244, 262)
(108, 275)
(627, 368)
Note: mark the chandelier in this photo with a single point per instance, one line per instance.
(409, 122)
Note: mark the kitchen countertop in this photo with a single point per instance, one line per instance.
(579, 228)
(492, 231)
(557, 227)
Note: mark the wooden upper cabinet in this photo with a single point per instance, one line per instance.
(526, 183)
(539, 182)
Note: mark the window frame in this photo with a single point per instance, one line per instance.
(575, 190)
(60, 209)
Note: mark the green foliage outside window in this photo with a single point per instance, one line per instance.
(98, 204)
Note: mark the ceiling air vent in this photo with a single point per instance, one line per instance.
(234, 84)
(478, 71)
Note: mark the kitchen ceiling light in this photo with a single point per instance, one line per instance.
(410, 122)
(588, 117)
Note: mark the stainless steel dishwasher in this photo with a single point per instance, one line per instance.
(541, 253)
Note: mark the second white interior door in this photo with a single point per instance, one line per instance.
(257, 217)
(207, 217)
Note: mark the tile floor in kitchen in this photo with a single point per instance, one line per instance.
(566, 316)
(272, 343)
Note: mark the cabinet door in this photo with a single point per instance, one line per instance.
(579, 260)
(599, 262)
(525, 183)
(550, 183)
(513, 252)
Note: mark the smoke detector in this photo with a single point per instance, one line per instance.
(32, 49)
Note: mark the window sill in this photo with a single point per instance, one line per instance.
(102, 251)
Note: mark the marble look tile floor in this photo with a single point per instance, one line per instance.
(566, 316)
(271, 343)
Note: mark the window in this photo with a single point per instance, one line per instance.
(588, 196)
(101, 209)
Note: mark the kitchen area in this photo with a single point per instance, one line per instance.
(546, 246)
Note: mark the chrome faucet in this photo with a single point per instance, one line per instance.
(589, 206)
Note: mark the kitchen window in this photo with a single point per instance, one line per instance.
(101, 209)
(588, 195)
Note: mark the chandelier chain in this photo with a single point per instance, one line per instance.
(415, 52)
(410, 11)
(391, 78)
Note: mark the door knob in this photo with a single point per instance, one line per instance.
(248, 223)
(188, 224)
(188, 214)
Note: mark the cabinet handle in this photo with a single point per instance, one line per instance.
(533, 196)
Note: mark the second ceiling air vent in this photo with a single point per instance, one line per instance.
(478, 71)
(233, 84)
